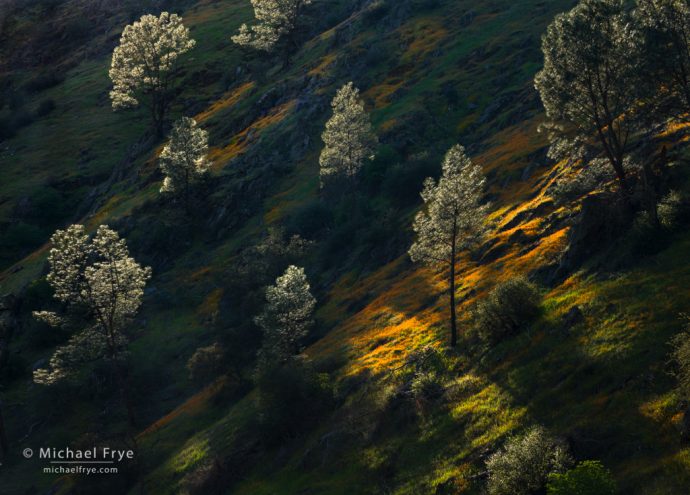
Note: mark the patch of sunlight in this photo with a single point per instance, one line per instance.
(450, 474)
(241, 141)
(190, 456)
(662, 409)
(382, 92)
(388, 125)
(683, 457)
(324, 63)
(488, 415)
(422, 36)
(574, 291)
(228, 100)
(198, 274)
(211, 304)
(609, 338)
(674, 127)
(510, 148)
(194, 405)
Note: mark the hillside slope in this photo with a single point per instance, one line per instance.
(433, 73)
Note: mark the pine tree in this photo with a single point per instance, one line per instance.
(664, 26)
(524, 464)
(287, 316)
(99, 276)
(348, 137)
(588, 82)
(452, 220)
(276, 20)
(183, 160)
(144, 63)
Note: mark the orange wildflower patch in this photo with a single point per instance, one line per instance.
(410, 307)
(422, 37)
(381, 93)
(211, 303)
(325, 62)
(192, 406)
(228, 100)
(241, 141)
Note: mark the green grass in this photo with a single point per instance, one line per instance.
(606, 380)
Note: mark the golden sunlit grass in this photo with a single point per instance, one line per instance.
(323, 65)
(381, 93)
(488, 415)
(673, 128)
(192, 406)
(241, 141)
(211, 304)
(225, 102)
(422, 37)
(380, 336)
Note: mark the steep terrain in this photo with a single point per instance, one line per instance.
(433, 73)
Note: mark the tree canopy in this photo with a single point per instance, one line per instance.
(452, 219)
(588, 82)
(276, 19)
(348, 137)
(287, 315)
(99, 276)
(144, 62)
(184, 158)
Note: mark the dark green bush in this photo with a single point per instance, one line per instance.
(311, 219)
(22, 236)
(403, 181)
(587, 478)
(45, 107)
(508, 308)
(206, 364)
(375, 171)
(426, 387)
(291, 398)
(681, 358)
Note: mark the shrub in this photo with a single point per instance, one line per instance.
(427, 359)
(591, 177)
(509, 307)
(681, 357)
(386, 156)
(206, 363)
(522, 466)
(588, 478)
(426, 387)
(209, 478)
(670, 209)
(311, 219)
(402, 184)
(21, 236)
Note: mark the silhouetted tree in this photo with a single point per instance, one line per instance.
(452, 219)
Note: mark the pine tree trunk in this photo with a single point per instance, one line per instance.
(124, 393)
(453, 316)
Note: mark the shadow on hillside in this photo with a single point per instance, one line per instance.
(604, 384)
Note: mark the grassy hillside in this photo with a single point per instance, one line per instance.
(432, 73)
